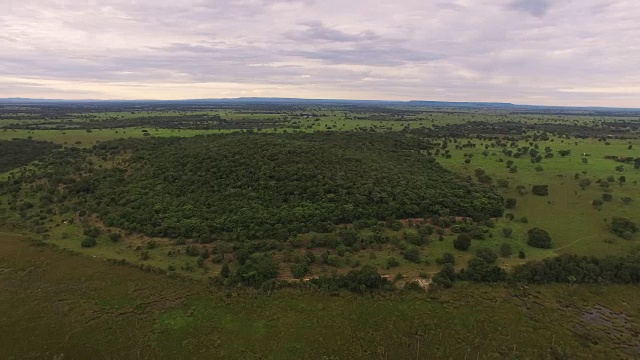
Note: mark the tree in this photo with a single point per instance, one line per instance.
(299, 270)
(88, 242)
(462, 242)
(539, 238)
(446, 277)
(225, 271)
(510, 203)
(412, 254)
(607, 197)
(505, 250)
(488, 255)
(584, 183)
(392, 262)
(115, 237)
(507, 232)
(522, 255)
(446, 258)
(540, 190)
(597, 203)
(624, 227)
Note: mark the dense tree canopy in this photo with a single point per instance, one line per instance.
(20, 152)
(273, 186)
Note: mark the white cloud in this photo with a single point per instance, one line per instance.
(524, 51)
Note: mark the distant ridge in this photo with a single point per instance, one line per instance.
(302, 101)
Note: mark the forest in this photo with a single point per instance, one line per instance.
(274, 186)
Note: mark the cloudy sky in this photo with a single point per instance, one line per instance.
(556, 52)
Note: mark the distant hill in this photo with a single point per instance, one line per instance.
(300, 101)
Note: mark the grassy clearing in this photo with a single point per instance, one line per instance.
(567, 213)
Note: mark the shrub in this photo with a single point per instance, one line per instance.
(507, 232)
(540, 190)
(393, 262)
(462, 242)
(88, 242)
(446, 258)
(539, 238)
(412, 254)
(624, 227)
(510, 203)
(488, 255)
(505, 250)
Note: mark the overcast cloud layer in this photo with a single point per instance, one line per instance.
(556, 52)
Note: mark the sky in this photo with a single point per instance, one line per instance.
(548, 52)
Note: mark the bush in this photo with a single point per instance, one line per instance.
(488, 255)
(462, 242)
(539, 238)
(505, 250)
(446, 258)
(393, 262)
(624, 227)
(540, 190)
(412, 254)
(88, 242)
(299, 270)
(510, 203)
(115, 237)
(507, 232)
(192, 250)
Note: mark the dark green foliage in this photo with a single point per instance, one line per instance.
(507, 232)
(392, 262)
(115, 237)
(607, 197)
(225, 271)
(480, 270)
(522, 255)
(446, 258)
(580, 269)
(299, 270)
(462, 242)
(92, 231)
(540, 190)
(259, 186)
(539, 238)
(192, 250)
(21, 152)
(412, 254)
(505, 250)
(510, 203)
(257, 270)
(488, 255)
(88, 242)
(624, 228)
(446, 277)
(365, 279)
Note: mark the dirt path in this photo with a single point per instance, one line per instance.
(575, 242)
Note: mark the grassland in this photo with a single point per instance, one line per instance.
(60, 305)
